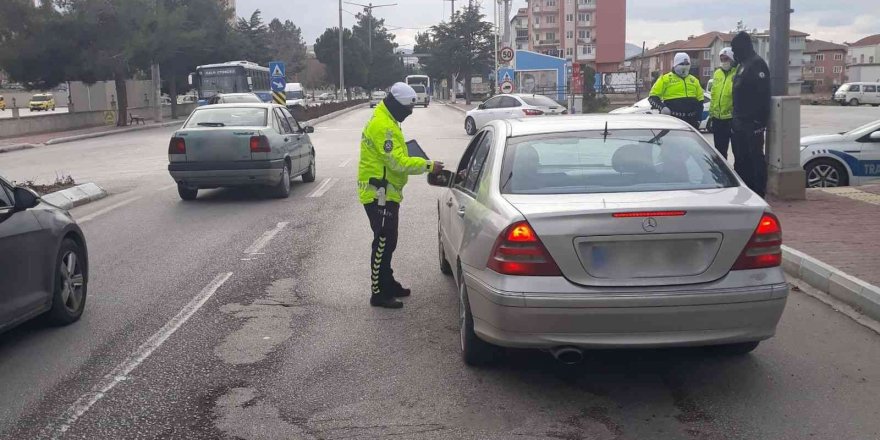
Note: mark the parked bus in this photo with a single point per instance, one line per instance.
(421, 79)
(230, 77)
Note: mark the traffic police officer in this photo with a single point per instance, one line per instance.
(751, 110)
(721, 107)
(678, 93)
(382, 173)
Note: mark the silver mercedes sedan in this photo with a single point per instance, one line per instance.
(606, 231)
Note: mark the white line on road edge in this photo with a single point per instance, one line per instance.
(345, 164)
(107, 209)
(265, 238)
(57, 428)
(323, 187)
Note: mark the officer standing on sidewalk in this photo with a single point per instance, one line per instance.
(721, 107)
(751, 111)
(382, 173)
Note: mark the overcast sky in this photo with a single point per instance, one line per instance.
(652, 21)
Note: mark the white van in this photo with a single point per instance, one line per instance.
(858, 93)
(294, 95)
(422, 97)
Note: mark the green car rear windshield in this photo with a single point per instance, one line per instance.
(621, 161)
(228, 117)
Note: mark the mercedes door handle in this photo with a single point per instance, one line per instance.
(449, 203)
(286, 139)
(461, 211)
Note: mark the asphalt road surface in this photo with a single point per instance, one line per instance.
(243, 317)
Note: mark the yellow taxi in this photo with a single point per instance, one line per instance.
(2, 103)
(42, 101)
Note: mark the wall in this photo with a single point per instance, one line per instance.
(610, 34)
(102, 94)
(864, 72)
(857, 54)
(50, 123)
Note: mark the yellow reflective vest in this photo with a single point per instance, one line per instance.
(671, 86)
(384, 153)
(721, 106)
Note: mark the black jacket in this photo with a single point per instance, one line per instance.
(751, 86)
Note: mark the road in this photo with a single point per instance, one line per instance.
(243, 317)
(25, 112)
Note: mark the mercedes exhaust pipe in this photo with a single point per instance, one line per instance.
(568, 355)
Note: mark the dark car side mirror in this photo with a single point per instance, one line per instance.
(308, 129)
(481, 107)
(25, 198)
(442, 179)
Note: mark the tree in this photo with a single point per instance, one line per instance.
(464, 45)
(286, 44)
(383, 66)
(327, 51)
(252, 37)
(431, 64)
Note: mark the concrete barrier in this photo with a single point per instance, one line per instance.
(50, 123)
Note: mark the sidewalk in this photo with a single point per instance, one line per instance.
(460, 105)
(838, 226)
(10, 144)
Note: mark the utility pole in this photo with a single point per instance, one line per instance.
(780, 23)
(451, 11)
(341, 60)
(369, 10)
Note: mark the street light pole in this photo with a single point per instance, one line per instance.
(341, 58)
(780, 22)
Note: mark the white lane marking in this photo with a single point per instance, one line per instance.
(107, 209)
(323, 187)
(166, 188)
(267, 236)
(57, 428)
(345, 164)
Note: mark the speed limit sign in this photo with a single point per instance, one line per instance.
(507, 87)
(506, 54)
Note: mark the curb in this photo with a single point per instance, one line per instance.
(330, 116)
(76, 196)
(79, 137)
(861, 295)
(454, 107)
(17, 147)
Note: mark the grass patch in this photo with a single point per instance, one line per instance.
(61, 182)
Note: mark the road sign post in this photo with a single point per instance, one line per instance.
(278, 79)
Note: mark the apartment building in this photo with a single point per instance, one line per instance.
(519, 26)
(583, 31)
(864, 59)
(824, 65)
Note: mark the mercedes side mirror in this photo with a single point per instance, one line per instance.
(481, 107)
(25, 198)
(308, 129)
(875, 136)
(442, 179)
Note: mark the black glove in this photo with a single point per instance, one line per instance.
(656, 102)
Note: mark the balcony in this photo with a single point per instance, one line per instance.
(585, 24)
(586, 6)
(539, 8)
(547, 42)
(546, 26)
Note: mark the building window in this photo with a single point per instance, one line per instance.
(569, 17)
(551, 2)
(551, 36)
(583, 16)
(707, 71)
(838, 69)
(569, 35)
(871, 60)
(862, 59)
(838, 57)
(551, 19)
(820, 82)
(707, 55)
(819, 69)
(569, 51)
(537, 20)
(820, 57)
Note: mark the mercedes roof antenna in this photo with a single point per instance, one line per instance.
(605, 133)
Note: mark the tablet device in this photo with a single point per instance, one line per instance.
(415, 150)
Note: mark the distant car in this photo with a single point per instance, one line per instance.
(42, 102)
(166, 100)
(377, 97)
(44, 264)
(234, 98)
(265, 96)
(858, 93)
(848, 158)
(293, 93)
(422, 97)
(644, 107)
(326, 97)
(599, 231)
(511, 106)
(227, 145)
(187, 99)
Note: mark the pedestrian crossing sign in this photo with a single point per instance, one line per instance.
(276, 69)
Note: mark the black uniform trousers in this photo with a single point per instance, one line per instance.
(384, 243)
(748, 153)
(722, 132)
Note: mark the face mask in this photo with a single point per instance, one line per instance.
(725, 65)
(682, 70)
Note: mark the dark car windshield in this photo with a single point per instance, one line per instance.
(228, 117)
(623, 161)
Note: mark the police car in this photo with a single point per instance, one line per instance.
(644, 107)
(848, 158)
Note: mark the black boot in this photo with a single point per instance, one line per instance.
(386, 302)
(399, 291)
